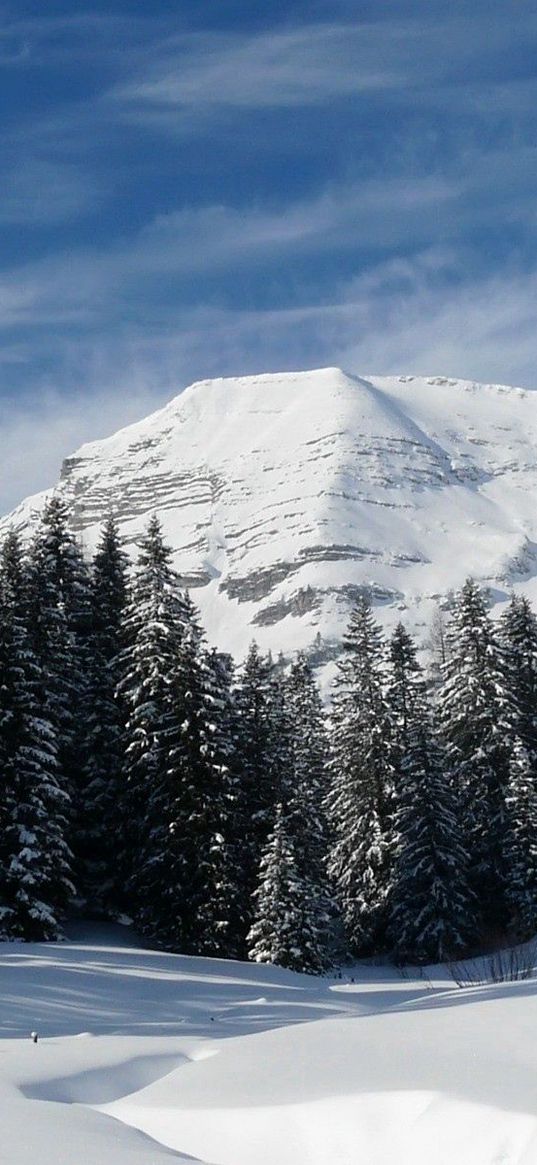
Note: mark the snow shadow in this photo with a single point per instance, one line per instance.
(65, 988)
(103, 1085)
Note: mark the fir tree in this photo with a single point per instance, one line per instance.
(180, 784)
(475, 714)
(59, 623)
(229, 908)
(293, 861)
(309, 774)
(521, 842)
(260, 759)
(405, 694)
(290, 921)
(153, 625)
(282, 738)
(518, 632)
(100, 823)
(358, 803)
(35, 885)
(431, 906)
(12, 679)
(206, 913)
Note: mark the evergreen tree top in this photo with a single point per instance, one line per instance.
(256, 669)
(518, 624)
(153, 550)
(11, 565)
(155, 581)
(361, 668)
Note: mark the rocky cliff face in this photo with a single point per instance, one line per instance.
(282, 495)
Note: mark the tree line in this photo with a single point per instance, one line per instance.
(226, 810)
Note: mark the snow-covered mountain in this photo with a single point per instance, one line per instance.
(283, 494)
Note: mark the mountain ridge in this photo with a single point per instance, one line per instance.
(284, 494)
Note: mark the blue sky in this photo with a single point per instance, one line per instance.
(220, 187)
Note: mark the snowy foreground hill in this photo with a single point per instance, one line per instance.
(282, 494)
(150, 1058)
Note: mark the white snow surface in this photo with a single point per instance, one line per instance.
(150, 1057)
(283, 493)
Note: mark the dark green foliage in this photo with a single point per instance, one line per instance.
(152, 629)
(476, 719)
(99, 849)
(361, 779)
(206, 907)
(518, 632)
(60, 619)
(290, 919)
(518, 637)
(178, 773)
(431, 906)
(309, 781)
(521, 842)
(405, 694)
(262, 749)
(35, 885)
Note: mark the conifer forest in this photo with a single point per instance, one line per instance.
(224, 808)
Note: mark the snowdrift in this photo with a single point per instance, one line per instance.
(148, 1057)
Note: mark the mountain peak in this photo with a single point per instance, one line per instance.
(283, 494)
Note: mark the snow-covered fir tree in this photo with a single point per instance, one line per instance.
(431, 906)
(358, 802)
(404, 691)
(309, 775)
(293, 861)
(204, 897)
(521, 842)
(59, 623)
(12, 680)
(153, 628)
(179, 782)
(476, 716)
(518, 634)
(290, 920)
(35, 860)
(259, 759)
(282, 739)
(229, 909)
(100, 819)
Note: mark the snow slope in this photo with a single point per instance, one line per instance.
(282, 494)
(149, 1057)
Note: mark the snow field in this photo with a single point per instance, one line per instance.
(149, 1057)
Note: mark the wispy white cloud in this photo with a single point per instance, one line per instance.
(410, 320)
(410, 316)
(100, 286)
(282, 68)
(89, 284)
(369, 212)
(312, 63)
(89, 289)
